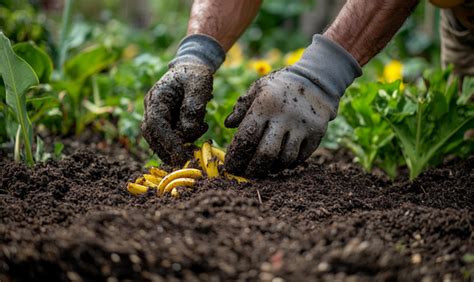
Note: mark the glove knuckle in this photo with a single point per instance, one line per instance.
(266, 152)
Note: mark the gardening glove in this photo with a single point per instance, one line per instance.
(285, 114)
(176, 105)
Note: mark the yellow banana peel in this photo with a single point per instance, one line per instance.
(136, 189)
(198, 157)
(152, 178)
(210, 163)
(182, 173)
(218, 153)
(175, 193)
(208, 158)
(180, 182)
(158, 172)
(239, 179)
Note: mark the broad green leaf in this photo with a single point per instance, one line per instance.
(18, 77)
(36, 58)
(89, 61)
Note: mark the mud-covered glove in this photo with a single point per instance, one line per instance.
(176, 105)
(285, 114)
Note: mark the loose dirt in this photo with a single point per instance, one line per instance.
(327, 220)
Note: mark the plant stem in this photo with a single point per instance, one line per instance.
(16, 152)
(418, 128)
(65, 27)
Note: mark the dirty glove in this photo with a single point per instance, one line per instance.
(176, 105)
(285, 114)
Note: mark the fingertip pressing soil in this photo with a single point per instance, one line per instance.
(324, 221)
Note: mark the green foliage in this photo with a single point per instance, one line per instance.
(20, 23)
(64, 34)
(426, 118)
(41, 155)
(18, 77)
(104, 68)
(78, 85)
(370, 138)
(271, 28)
(417, 126)
(36, 58)
(229, 84)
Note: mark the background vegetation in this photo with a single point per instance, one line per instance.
(93, 63)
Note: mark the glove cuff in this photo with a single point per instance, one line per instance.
(200, 49)
(329, 66)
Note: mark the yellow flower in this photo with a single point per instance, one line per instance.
(393, 71)
(294, 56)
(262, 67)
(234, 56)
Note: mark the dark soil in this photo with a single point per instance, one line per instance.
(327, 220)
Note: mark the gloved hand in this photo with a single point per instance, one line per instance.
(285, 114)
(176, 105)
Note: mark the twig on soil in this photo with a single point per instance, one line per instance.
(259, 197)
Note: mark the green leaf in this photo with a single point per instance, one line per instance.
(36, 58)
(18, 77)
(58, 149)
(89, 61)
(153, 162)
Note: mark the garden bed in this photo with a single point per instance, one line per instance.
(327, 220)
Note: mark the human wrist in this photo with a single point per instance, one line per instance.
(351, 46)
(199, 49)
(328, 65)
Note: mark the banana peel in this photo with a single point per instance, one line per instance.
(182, 173)
(152, 178)
(136, 189)
(180, 182)
(218, 153)
(209, 161)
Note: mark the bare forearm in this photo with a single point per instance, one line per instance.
(224, 20)
(363, 28)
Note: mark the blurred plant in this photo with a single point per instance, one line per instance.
(234, 56)
(277, 26)
(64, 36)
(20, 23)
(229, 84)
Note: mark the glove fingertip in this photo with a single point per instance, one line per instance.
(231, 166)
(231, 121)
